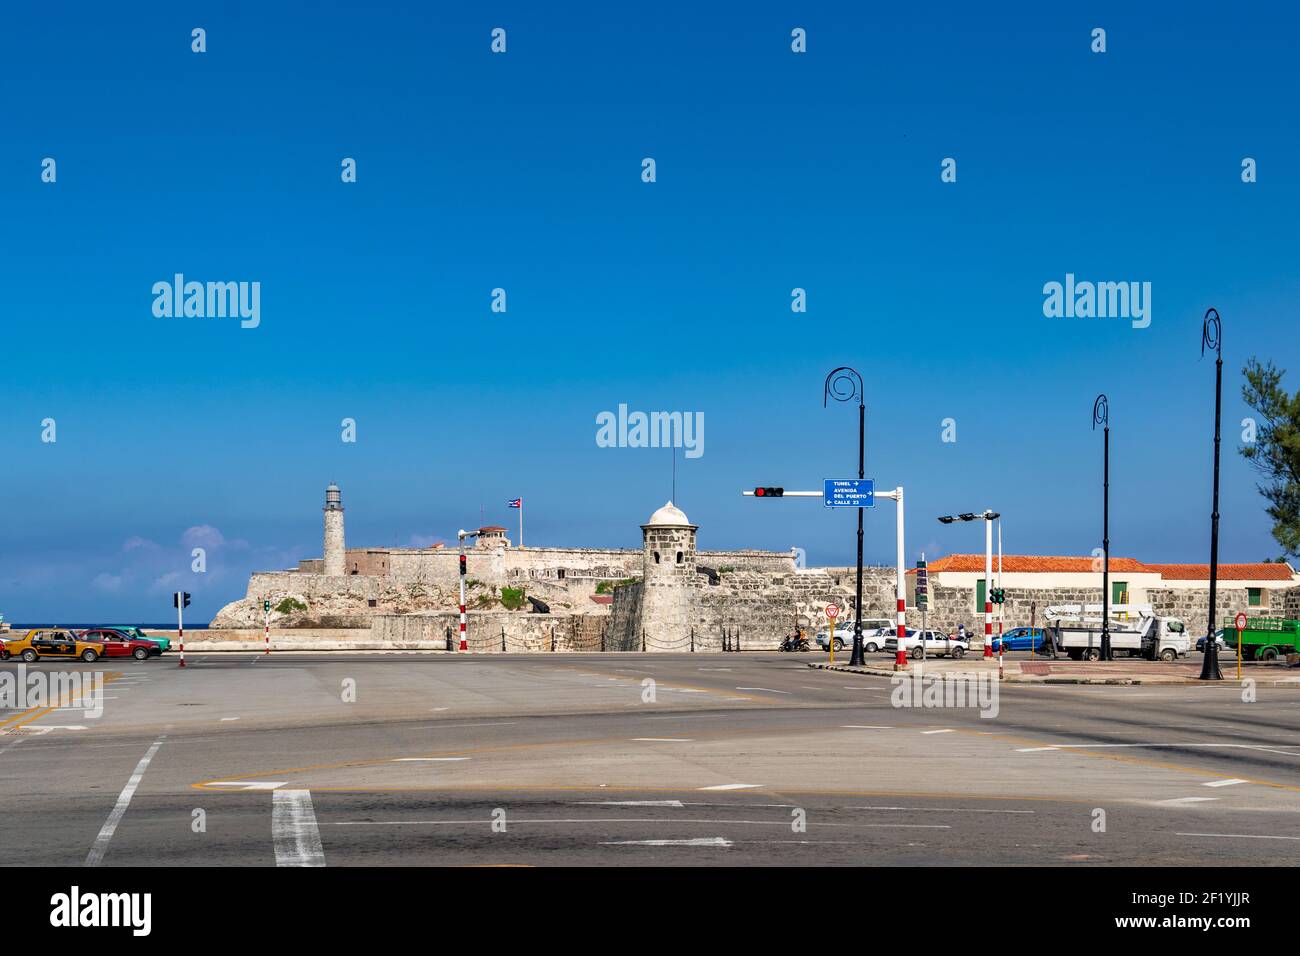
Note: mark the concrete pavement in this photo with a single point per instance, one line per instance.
(634, 759)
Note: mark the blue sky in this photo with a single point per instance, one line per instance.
(522, 171)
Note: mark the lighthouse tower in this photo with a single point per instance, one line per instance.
(668, 594)
(335, 562)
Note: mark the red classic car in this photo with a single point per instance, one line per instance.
(119, 644)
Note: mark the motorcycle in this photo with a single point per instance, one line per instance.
(796, 642)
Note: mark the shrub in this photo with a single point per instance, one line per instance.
(290, 606)
(512, 599)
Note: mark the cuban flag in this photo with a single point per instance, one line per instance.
(516, 502)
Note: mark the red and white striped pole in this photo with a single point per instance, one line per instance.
(180, 626)
(988, 583)
(900, 658)
(266, 626)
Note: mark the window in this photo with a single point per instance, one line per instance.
(1118, 592)
(979, 596)
(679, 557)
(1255, 596)
(559, 573)
(656, 557)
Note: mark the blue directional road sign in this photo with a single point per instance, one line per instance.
(850, 492)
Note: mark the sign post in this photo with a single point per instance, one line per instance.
(832, 612)
(1240, 622)
(266, 624)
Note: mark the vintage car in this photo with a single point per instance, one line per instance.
(52, 642)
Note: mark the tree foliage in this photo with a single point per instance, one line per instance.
(1275, 453)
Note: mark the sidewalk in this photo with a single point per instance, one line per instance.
(1081, 672)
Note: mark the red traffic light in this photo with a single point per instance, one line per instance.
(768, 492)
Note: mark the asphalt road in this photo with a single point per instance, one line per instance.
(370, 759)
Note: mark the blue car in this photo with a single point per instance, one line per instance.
(1021, 639)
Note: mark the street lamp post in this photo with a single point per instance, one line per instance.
(836, 389)
(1101, 416)
(1212, 337)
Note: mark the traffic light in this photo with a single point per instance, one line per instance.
(769, 492)
(266, 606)
(922, 585)
(462, 565)
(998, 596)
(180, 596)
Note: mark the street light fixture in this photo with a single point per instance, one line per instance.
(843, 384)
(988, 516)
(1101, 416)
(1212, 337)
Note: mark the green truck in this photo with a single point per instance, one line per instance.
(1264, 639)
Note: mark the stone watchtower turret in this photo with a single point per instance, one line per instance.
(335, 553)
(670, 580)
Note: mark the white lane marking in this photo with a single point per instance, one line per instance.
(861, 687)
(224, 719)
(864, 727)
(436, 709)
(64, 726)
(1180, 800)
(428, 759)
(630, 803)
(500, 723)
(943, 809)
(1230, 782)
(698, 841)
(947, 731)
(247, 784)
(665, 740)
(96, 854)
(732, 786)
(1098, 746)
(689, 717)
(727, 669)
(1241, 836)
(294, 829)
(767, 690)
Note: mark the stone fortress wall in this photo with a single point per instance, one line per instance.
(664, 596)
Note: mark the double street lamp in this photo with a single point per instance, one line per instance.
(988, 518)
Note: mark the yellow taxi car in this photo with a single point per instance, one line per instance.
(52, 642)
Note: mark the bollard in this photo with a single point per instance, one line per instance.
(503, 639)
(602, 638)
(552, 638)
(448, 637)
(692, 640)
(643, 641)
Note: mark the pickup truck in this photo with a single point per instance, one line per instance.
(1264, 639)
(1135, 631)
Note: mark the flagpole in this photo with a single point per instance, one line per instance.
(521, 522)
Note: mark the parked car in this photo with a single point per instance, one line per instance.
(936, 644)
(1218, 640)
(1020, 639)
(52, 642)
(165, 643)
(118, 644)
(874, 631)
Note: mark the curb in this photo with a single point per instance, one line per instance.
(1030, 679)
